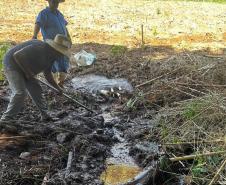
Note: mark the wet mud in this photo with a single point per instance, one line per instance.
(79, 147)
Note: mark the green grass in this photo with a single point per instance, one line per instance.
(3, 49)
(118, 50)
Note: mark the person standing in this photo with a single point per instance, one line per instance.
(52, 22)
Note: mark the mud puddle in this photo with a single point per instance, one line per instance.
(96, 84)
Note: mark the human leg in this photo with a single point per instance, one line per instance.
(35, 91)
(17, 85)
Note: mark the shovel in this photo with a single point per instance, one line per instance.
(67, 96)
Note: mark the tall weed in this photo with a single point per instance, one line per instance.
(3, 49)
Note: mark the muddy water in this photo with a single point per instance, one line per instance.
(95, 83)
(120, 167)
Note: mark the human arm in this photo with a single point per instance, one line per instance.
(49, 77)
(68, 35)
(40, 23)
(36, 31)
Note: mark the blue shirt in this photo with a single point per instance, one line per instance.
(51, 24)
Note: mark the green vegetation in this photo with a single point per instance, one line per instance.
(199, 167)
(158, 11)
(154, 31)
(135, 102)
(118, 50)
(3, 49)
(192, 109)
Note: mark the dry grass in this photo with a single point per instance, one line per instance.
(176, 23)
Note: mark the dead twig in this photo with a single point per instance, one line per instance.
(196, 142)
(189, 94)
(149, 81)
(69, 162)
(203, 85)
(216, 176)
(214, 56)
(188, 157)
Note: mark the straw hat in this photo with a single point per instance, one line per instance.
(60, 43)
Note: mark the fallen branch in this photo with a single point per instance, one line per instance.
(214, 56)
(203, 85)
(195, 90)
(216, 176)
(195, 142)
(188, 157)
(182, 91)
(149, 81)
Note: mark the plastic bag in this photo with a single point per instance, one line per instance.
(83, 58)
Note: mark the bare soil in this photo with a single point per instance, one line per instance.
(173, 23)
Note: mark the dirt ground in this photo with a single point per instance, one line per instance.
(91, 137)
(177, 24)
(183, 45)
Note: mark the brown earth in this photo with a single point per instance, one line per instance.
(177, 24)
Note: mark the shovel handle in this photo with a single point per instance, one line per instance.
(65, 95)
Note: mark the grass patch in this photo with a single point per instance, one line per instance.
(3, 49)
(118, 50)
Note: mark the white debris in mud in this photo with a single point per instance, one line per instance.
(95, 84)
(25, 155)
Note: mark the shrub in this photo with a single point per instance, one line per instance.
(118, 50)
(3, 49)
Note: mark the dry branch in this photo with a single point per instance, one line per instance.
(216, 176)
(69, 162)
(203, 85)
(196, 142)
(158, 77)
(188, 157)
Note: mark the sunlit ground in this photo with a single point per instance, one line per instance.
(181, 24)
